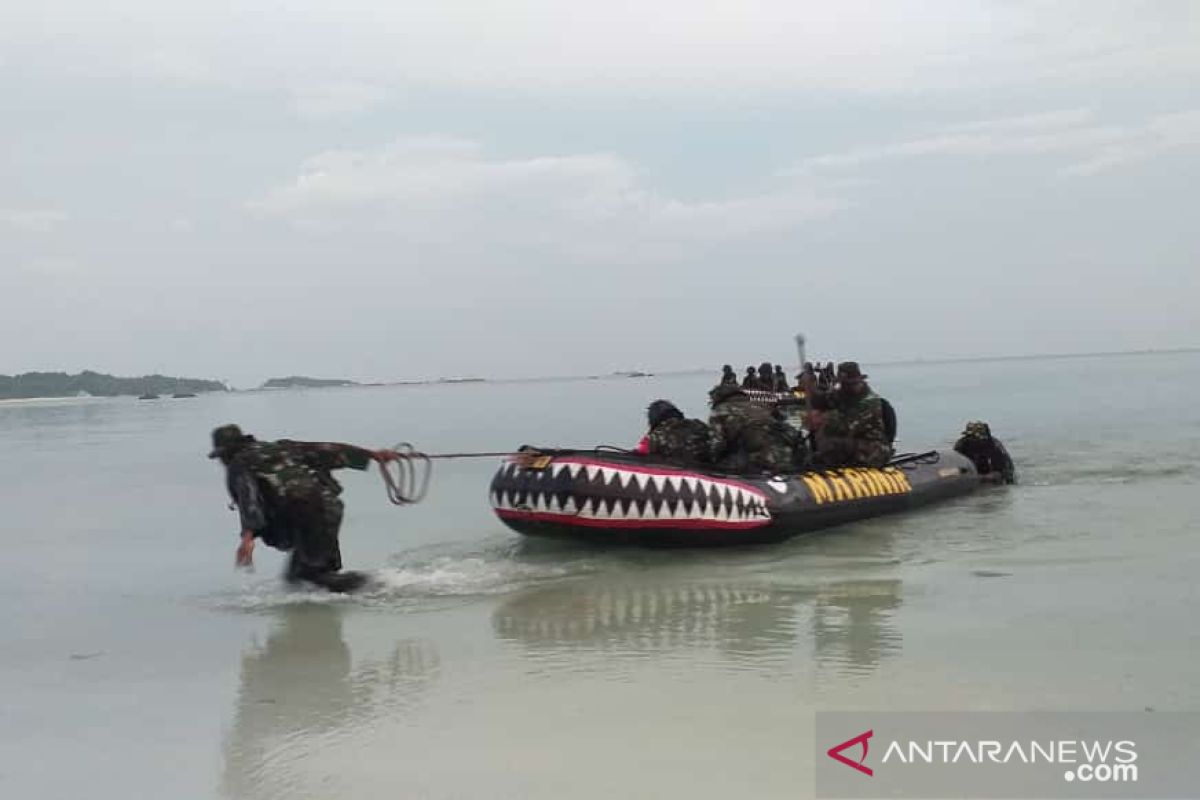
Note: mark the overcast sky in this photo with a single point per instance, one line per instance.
(394, 189)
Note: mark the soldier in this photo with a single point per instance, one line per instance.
(750, 381)
(766, 377)
(673, 437)
(991, 459)
(286, 496)
(781, 381)
(747, 438)
(852, 429)
(728, 376)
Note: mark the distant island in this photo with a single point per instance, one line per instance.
(303, 382)
(98, 384)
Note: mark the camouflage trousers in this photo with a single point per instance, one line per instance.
(314, 523)
(838, 451)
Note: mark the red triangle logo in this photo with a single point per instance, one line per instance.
(835, 752)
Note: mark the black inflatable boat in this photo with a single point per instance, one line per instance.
(618, 497)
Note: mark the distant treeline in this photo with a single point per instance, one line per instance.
(62, 384)
(301, 381)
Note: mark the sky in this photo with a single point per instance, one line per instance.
(390, 190)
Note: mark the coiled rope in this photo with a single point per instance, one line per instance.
(406, 478)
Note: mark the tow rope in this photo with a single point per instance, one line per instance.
(406, 479)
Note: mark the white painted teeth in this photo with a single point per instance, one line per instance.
(642, 496)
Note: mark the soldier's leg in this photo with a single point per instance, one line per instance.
(316, 553)
(833, 451)
(873, 454)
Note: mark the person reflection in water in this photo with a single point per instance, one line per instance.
(300, 687)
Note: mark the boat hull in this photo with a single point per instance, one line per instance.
(619, 498)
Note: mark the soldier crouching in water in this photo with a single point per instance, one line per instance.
(286, 496)
(991, 459)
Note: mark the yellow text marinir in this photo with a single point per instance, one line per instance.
(855, 483)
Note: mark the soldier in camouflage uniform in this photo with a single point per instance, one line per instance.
(675, 438)
(988, 453)
(747, 437)
(852, 431)
(286, 496)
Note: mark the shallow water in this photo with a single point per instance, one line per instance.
(138, 663)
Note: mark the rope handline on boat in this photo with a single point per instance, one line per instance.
(406, 478)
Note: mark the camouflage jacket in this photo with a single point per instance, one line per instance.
(858, 418)
(262, 476)
(682, 440)
(746, 436)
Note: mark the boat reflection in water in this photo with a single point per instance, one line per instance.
(302, 691)
(851, 622)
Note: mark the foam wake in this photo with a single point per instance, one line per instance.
(430, 572)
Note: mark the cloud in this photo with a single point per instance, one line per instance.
(32, 220)
(1088, 146)
(588, 205)
(1161, 135)
(338, 99)
(694, 45)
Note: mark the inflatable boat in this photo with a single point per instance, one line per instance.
(616, 497)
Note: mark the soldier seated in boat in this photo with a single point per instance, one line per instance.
(991, 460)
(781, 381)
(766, 377)
(748, 437)
(852, 429)
(673, 437)
(750, 381)
(728, 376)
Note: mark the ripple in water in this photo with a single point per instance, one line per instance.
(431, 572)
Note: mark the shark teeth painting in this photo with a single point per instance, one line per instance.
(628, 495)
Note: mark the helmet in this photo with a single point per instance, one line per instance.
(724, 392)
(660, 411)
(977, 430)
(227, 439)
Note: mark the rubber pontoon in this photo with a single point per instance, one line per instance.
(618, 497)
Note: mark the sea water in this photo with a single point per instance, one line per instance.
(138, 663)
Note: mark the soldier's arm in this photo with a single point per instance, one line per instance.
(334, 455)
(868, 422)
(1007, 468)
(717, 441)
(248, 499)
